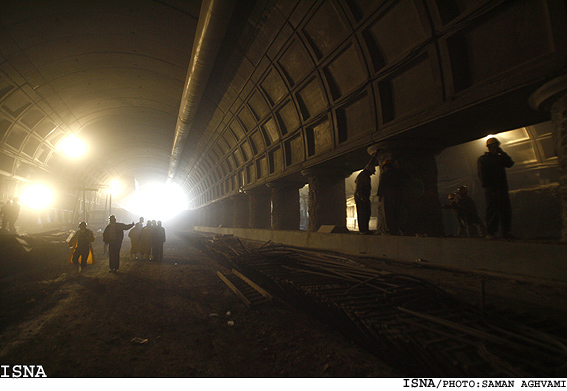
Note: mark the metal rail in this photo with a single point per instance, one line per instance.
(414, 325)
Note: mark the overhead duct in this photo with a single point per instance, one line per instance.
(214, 18)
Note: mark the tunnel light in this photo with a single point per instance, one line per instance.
(115, 187)
(158, 201)
(37, 196)
(72, 147)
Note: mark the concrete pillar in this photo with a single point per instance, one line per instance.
(285, 205)
(215, 214)
(240, 210)
(203, 216)
(206, 216)
(327, 199)
(226, 212)
(422, 212)
(552, 98)
(199, 217)
(259, 208)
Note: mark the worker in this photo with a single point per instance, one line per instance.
(468, 214)
(113, 235)
(492, 173)
(81, 244)
(362, 191)
(391, 193)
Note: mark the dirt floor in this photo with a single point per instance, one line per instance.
(177, 319)
(168, 319)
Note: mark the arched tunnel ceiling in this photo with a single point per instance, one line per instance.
(295, 84)
(111, 72)
(323, 80)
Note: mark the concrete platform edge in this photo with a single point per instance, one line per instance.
(535, 260)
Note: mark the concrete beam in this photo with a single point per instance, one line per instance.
(528, 259)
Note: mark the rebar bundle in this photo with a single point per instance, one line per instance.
(416, 326)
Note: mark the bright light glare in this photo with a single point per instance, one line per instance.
(158, 202)
(72, 147)
(37, 196)
(115, 187)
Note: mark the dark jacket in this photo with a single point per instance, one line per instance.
(82, 239)
(363, 186)
(114, 233)
(158, 235)
(492, 170)
(392, 183)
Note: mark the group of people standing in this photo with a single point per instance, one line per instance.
(146, 242)
(492, 167)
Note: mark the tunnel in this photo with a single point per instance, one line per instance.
(253, 119)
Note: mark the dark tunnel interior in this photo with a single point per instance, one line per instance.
(259, 119)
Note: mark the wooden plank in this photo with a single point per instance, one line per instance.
(233, 288)
(252, 284)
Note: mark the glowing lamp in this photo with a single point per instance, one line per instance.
(72, 147)
(37, 196)
(115, 187)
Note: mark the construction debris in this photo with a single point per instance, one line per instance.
(405, 320)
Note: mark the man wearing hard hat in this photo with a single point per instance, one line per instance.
(362, 197)
(113, 235)
(492, 173)
(82, 247)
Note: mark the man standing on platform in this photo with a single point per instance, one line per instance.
(492, 173)
(362, 197)
(391, 193)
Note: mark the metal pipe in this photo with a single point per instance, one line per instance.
(214, 18)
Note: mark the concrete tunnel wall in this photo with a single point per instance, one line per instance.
(534, 185)
(315, 83)
(324, 80)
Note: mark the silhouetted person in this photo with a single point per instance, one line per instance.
(158, 239)
(391, 190)
(10, 213)
(135, 236)
(4, 212)
(492, 173)
(454, 207)
(468, 214)
(81, 244)
(146, 241)
(113, 235)
(363, 188)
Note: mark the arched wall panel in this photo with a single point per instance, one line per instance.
(323, 78)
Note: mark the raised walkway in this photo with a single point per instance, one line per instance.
(531, 259)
